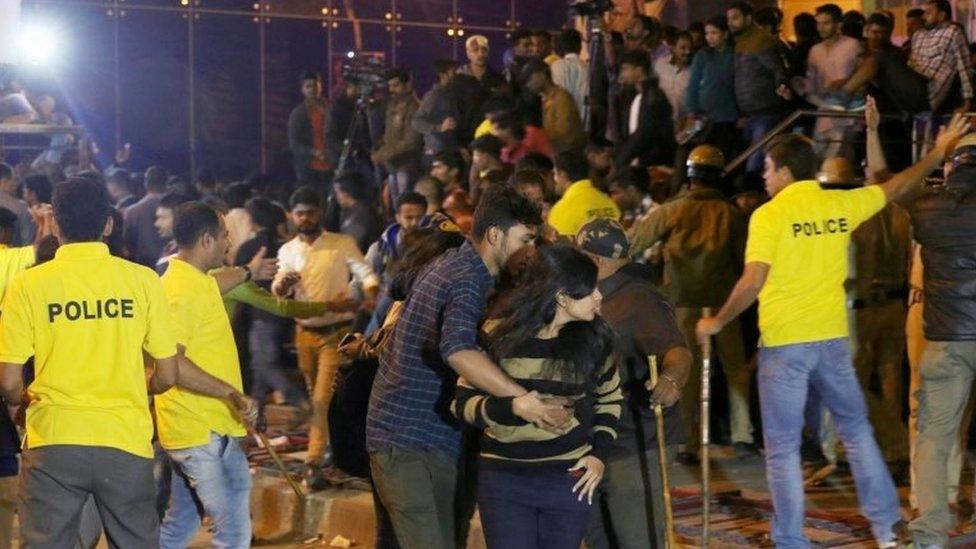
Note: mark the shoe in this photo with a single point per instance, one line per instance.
(688, 459)
(315, 477)
(744, 450)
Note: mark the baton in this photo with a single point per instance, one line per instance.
(662, 453)
(706, 488)
(258, 431)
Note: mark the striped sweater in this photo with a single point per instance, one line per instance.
(509, 440)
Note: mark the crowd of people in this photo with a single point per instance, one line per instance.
(478, 285)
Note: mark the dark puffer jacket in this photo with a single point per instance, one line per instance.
(759, 71)
(945, 226)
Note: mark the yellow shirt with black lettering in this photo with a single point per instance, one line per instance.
(580, 203)
(200, 324)
(86, 318)
(803, 234)
(13, 261)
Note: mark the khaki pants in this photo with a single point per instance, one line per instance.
(878, 345)
(319, 361)
(947, 373)
(729, 347)
(8, 507)
(417, 491)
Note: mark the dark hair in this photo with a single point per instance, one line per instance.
(309, 75)
(172, 201)
(769, 16)
(520, 34)
(719, 22)
(403, 75)
(306, 196)
(636, 59)
(511, 122)
(745, 8)
(499, 102)
(412, 198)
(542, 33)
(353, 184)
(573, 165)
(583, 347)
(833, 10)
(633, 176)
(192, 221)
(452, 159)
(417, 249)
(598, 143)
(504, 207)
(6, 171)
(81, 208)
(683, 35)
(529, 177)
(915, 13)
(880, 19)
(206, 177)
(216, 203)
(805, 28)
(265, 213)
(42, 187)
(942, 5)
(533, 66)
(852, 24)
(534, 161)
(442, 66)
(696, 26)
(155, 179)
(115, 240)
(569, 41)
(7, 219)
(796, 153)
(236, 194)
(487, 144)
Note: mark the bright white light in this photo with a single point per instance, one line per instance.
(351, 54)
(38, 44)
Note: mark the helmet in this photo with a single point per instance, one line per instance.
(836, 170)
(705, 162)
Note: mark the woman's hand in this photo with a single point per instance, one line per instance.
(591, 478)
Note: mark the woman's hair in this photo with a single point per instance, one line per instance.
(419, 248)
(526, 309)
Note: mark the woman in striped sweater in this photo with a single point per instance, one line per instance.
(535, 488)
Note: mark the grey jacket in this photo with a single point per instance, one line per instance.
(438, 104)
(758, 72)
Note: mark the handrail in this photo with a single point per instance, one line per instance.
(787, 123)
(39, 129)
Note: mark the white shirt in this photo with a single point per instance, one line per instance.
(570, 74)
(673, 81)
(634, 117)
(328, 267)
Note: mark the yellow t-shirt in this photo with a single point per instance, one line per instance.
(803, 234)
(13, 261)
(86, 317)
(580, 203)
(185, 419)
(485, 128)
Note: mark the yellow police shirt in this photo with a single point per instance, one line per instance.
(13, 261)
(86, 317)
(580, 203)
(200, 324)
(803, 234)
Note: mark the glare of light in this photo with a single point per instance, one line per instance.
(460, 32)
(38, 44)
(351, 54)
(450, 32)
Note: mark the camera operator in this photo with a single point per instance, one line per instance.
(944, 223)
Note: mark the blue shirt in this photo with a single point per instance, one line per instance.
(408, 408)
(711, 88)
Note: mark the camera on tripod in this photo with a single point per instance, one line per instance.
(369, 73)
(590, 8)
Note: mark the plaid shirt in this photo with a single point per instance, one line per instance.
(414, 386)
(940, 54)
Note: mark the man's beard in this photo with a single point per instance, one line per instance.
(309, 230)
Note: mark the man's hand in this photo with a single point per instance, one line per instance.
(785, 92)
(43, 216)
(123, 153)
(950, 133)
(667, 391)
(448, 124)
(550, 414)
(590, 480)
(288, 282)
(245, 407)
(872, 118)
(707, 327)
(262, 268)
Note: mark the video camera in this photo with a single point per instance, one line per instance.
(590, 8)
(369, 73)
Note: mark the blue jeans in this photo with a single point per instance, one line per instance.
(399, 182)
(264, 344)
(785, 376)
(218, 476)
(531, 508)
(757, 126)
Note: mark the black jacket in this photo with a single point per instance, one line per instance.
(300, 139)
(653, 141)
(945, 226)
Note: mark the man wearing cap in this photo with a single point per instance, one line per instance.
(645, 326)
(476, 47)
(704, 237)
(796, 264)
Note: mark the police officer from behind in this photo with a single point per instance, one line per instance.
(86, 317)
(704, 239)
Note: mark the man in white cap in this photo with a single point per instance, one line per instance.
(476, 46)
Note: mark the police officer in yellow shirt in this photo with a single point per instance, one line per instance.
(86, 317)
(200, 432)
(796, 264)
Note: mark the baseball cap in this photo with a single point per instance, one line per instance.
(605, 238)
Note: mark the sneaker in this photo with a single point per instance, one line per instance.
(315, 477)
(744, 450)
